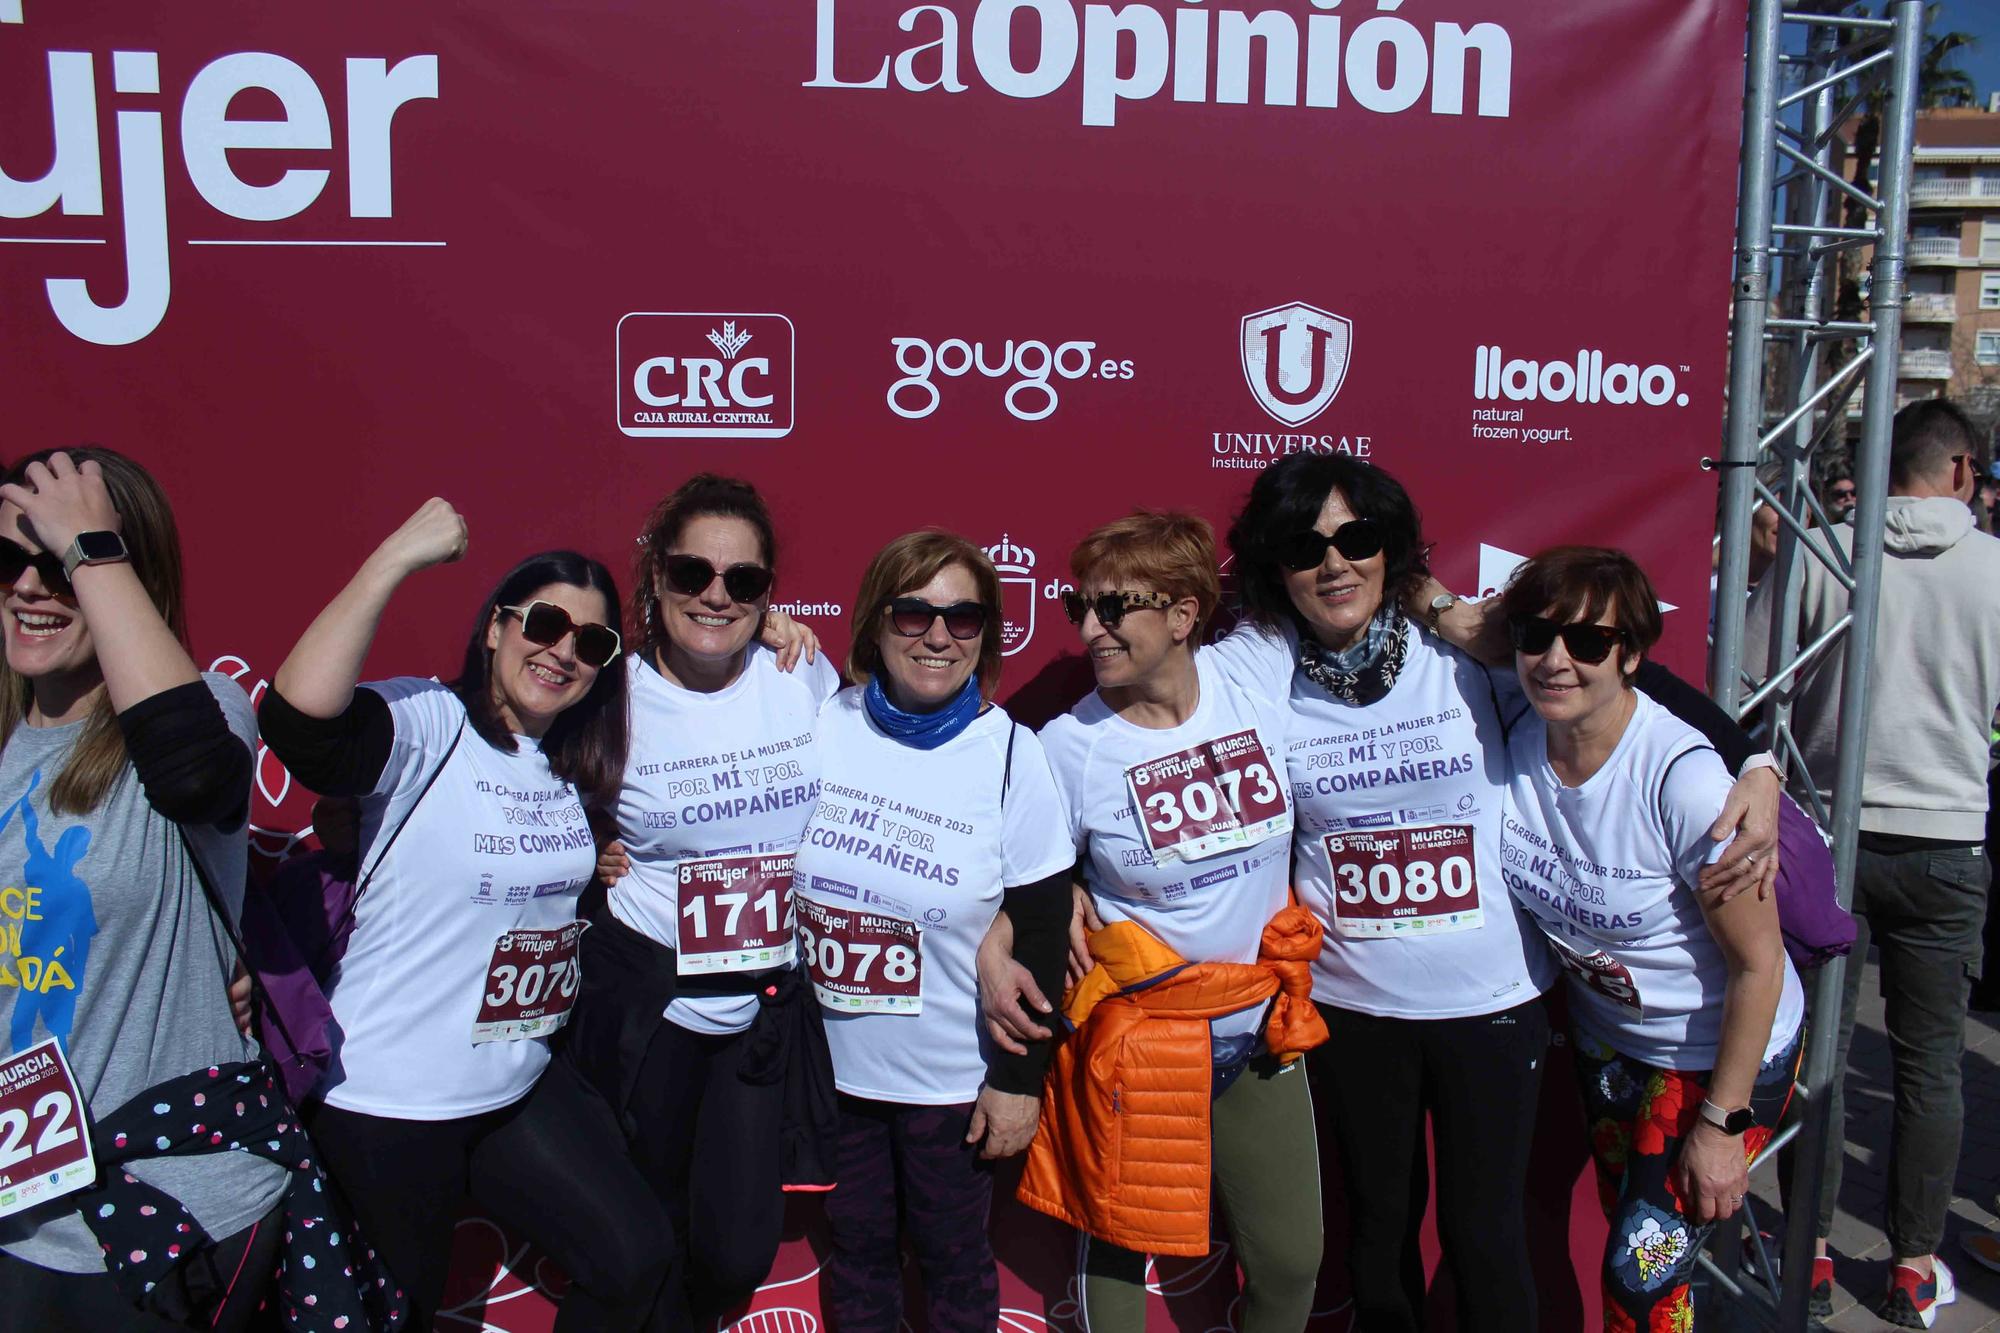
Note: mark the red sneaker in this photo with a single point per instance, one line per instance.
(1912, 1300)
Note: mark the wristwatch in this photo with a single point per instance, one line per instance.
(1729, 1122)
(1440, 604)
(93, 548)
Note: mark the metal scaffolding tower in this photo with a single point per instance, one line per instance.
(1787, 395)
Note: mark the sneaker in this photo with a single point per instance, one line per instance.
(1819, 1301)
(1983, 1247)
(1913, 1299)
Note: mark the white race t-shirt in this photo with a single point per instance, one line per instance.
(897, 881)
(710, 776)
(1604, 869)
(1398, 841)
(1125, 804)
(498, 844)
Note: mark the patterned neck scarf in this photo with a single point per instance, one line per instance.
(1365, 672)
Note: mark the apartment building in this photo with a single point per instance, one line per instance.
(1951, 323)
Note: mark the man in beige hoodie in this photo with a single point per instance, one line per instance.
(1921, 878)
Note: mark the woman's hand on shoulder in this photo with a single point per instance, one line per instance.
(1004, 1120)
(435, 535)
(789, 639)
(1750, 815)
(61, 499)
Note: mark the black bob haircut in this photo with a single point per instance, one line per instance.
(586, 743)
(1286, 499)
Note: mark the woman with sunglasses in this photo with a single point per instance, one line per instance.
(119, 762)
(1685, 1011)
(462, 957)
(935, 808)
(1427, 979)
(1173, 789)
(687, 973)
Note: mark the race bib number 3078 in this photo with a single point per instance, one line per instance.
(531, 982)
(862, 962)
(1410, 882)
(44, 1140)
(1212, 797)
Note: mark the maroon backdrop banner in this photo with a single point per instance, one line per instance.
(1008, 266)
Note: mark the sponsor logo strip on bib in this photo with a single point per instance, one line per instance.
(736, 914)
(1404, 881)
(44, 1140)
(530, 984)
(862, 962)
(1209, 798)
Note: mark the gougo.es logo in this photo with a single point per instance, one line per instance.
(1034, 365)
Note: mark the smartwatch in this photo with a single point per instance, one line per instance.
(93, 548)
(1729, 1122)
(1440, 604)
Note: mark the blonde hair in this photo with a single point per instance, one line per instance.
(906, 564)
(146, 522)
(1167, 550)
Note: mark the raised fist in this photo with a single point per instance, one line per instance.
(434, 535)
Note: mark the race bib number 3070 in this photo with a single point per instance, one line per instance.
(862, 962)
(44, 1140)
(531, 983)
(1409, 882)
(1212, 797)
(736, 913)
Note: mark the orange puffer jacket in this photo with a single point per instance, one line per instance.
(1122, 1151)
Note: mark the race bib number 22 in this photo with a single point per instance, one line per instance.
(44, 1140)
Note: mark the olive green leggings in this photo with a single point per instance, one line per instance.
(1266, 1163)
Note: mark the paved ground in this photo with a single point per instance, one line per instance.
(1861, 1254)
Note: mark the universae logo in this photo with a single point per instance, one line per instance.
(690, 375)
(376, 91)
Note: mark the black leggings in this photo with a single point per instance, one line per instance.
(551, 1166)
(220, 1291)
(1480, 1080)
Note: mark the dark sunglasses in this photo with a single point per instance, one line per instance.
(15, 560)
(1585, 642)
(547, 624)
(911, 617)
(1356, 539)
(1112, 606)
(691, 575)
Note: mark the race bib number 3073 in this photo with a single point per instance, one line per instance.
(44, 1141)
(1212, 797)
(736, 913)
(1408, 882)
(862, 962)
(531, 983)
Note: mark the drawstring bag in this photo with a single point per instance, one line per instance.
(1816, 927)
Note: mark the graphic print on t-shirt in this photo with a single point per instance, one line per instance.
(48, 924)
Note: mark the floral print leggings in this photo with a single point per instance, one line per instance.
(1637, 1114)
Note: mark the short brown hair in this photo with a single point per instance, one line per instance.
(1169, 551)
(1578, 583)
(907, 563)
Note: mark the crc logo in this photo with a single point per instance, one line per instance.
(1031, 397)
(1016, 566)
(704, 376)
(1295, 359)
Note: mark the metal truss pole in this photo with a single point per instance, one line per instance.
(1790, 147)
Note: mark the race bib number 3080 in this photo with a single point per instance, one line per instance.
(736, 913)
(1404, 881)
(44, 1140)
(1212, 797)
(862, 962)
(531, 982)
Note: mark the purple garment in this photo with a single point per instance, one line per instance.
(1816, 927)
(288, 928)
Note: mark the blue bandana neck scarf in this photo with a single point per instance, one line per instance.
(924, 731)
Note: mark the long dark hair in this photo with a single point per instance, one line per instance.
(1287, 498)
(146, 522)
(586, 743)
